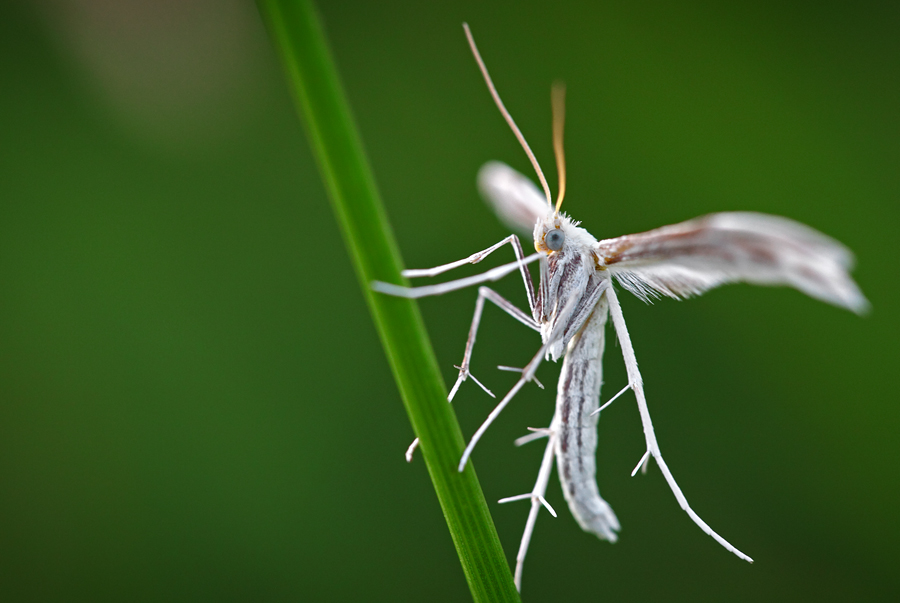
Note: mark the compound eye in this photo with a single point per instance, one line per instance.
(555, 239)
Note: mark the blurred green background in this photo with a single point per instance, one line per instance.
(193, 401)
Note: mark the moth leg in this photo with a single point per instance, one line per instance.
(536, 434)
(472, 259)
(494, 274)
(634, 378)
(527, 375)
(613, 399)
(477, 257)
(572, 317)
(491, 295)
(411, 449)
(537, 499)
(515, 369)
(502, 303)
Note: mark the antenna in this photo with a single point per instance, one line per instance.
(558, 100)
(508, 117)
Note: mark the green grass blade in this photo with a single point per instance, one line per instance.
(298, 37)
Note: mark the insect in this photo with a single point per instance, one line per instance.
(576, 297)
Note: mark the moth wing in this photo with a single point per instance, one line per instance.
(692, 257)
(515, 199)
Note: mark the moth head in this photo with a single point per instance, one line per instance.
(552, 233)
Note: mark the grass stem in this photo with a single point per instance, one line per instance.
(300, 41)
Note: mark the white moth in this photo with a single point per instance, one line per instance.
(576, 297)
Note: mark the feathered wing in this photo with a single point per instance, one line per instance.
(692, 257)
(514, 198)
